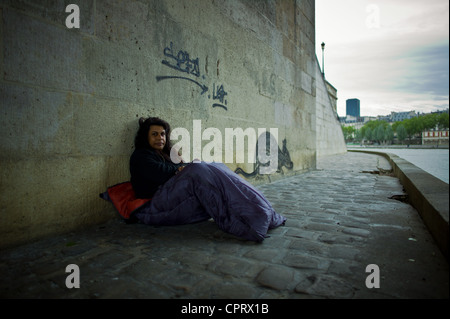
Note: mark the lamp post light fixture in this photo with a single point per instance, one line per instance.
(323, 65)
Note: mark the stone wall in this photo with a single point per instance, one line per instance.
(330, 138)
(71, 97)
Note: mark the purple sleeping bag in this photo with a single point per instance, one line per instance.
(211, 190)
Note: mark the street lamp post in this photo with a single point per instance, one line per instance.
(323, 65)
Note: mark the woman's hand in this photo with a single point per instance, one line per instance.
(179, 169)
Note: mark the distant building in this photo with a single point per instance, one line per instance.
(435, 137)
(400, 116)
(386, 118)
(353, 107)
(429, 137)
(349, 119)
(356, 122)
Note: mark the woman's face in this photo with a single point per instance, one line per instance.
(157, 137)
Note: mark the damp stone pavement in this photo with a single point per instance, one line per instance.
(340, 220)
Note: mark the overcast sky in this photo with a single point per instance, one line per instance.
(392, 55)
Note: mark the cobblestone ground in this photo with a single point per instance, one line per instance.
(340, 220)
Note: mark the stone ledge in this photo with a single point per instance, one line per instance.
(428, 194)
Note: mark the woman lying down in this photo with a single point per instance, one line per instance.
(193, 192)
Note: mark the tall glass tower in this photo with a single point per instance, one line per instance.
(353, 107)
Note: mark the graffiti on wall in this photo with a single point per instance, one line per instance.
(219, 94)
(284, 158)
(182, 62)
(189, 70)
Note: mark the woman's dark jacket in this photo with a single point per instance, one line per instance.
(149, 170)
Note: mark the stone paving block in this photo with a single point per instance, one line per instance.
(301, 233)
(276, 277)
(198, 258)
(341, 239)
(265, 254)
(184, 282)
(347, 252)
(47, 267)
(236, 267)
(356, 231)
(72, 249)
(352, 221)
(310, 247)
(322, 214)
(326, 221)
(110, 260)
(351, 270)
(325, 286)
(147, 270)
(305, 261)
(121, 288)
(233, 290)
(321, 227)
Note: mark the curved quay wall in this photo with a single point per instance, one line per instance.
(428, 194)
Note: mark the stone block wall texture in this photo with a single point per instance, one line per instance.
(70, 99)
(329, 136)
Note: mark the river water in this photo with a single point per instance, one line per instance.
(433, 161)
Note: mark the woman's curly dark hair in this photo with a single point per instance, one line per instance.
(141, 139)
